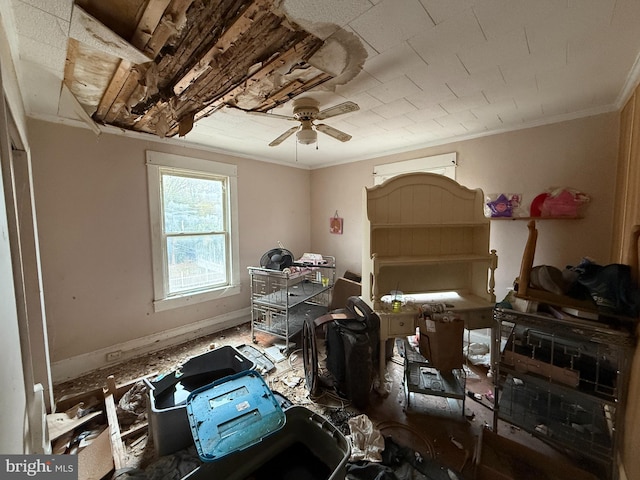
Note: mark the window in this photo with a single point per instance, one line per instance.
(193, 207)
(444, 164)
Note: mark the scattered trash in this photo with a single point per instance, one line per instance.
(367, 443)
(273, 352)
(456, 443)
(475, 396)
(292, 382)
(542, 429)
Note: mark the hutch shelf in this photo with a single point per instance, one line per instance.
(425, 234)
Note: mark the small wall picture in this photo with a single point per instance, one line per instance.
(335, 225)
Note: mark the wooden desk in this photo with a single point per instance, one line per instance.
(473, 310)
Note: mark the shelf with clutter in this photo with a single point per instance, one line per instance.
(607, 293)
(555, 204)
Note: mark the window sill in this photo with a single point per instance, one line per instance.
(191, 299)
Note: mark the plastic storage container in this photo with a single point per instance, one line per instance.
(232, 414)
(308, 447)
(167, 395)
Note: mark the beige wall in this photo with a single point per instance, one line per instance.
(92, 207)
(580, 154)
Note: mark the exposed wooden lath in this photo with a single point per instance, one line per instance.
(208, 54)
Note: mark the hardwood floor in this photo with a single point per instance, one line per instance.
(434, 427)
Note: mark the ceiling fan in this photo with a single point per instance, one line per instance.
(306, 110)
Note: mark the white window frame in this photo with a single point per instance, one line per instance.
(155, 162)
(444, 164)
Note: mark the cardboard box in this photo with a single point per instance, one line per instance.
(441, 342)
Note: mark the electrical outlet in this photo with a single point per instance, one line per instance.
(113, 356)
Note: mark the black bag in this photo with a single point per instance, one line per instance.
(611, 288)
(352, 339)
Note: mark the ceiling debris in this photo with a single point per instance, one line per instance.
(158, 66)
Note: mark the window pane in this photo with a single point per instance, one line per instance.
(192, 205)
(196, 262)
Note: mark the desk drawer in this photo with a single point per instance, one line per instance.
(474, 319)
(401, 326)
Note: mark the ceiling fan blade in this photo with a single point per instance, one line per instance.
(333, 132)
(273, 115)
(283, 137)
(339, 109)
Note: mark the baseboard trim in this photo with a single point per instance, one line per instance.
(74, 367)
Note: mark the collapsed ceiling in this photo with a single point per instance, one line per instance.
(158, 66)
(421, 72)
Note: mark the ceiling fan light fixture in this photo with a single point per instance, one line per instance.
(306, 136)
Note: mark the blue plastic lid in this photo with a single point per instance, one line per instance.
(232, 414)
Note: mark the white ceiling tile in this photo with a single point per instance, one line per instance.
(517, 70)
(600, 11)
(476, 126)
(479, 125)
(40, 26)
(395, 108)
(322, 18)
(371, 52)
(494, 110)
(401, 58)
(447, 67)
(368, 130)
(571, 79)
(60, 8)
(448, 37)
(395, 123)
(524, 87)
(364, 119)
(429, 99)
(42, 88)
(454, 129)
(500, 17)
(426, 114)
(365, 101)
(50, 57)
(464, 103)
(456, 118)
(428, 129)
(507, 48)
(391, 22)
(361, 83)
(478, 81)
(441, 11)
(626, 15)
(394, 89)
